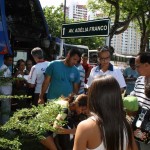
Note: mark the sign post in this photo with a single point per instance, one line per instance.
(86, 29)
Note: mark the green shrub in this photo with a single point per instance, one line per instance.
(33, 122)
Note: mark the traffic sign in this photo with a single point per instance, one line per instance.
(86, 29)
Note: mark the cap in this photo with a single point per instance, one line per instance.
(130, 103)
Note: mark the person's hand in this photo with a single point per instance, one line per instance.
(41, 101)
(72, 97)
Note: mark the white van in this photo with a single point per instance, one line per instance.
(93, 57)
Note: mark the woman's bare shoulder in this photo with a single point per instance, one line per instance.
(87, 124)
(88, 130)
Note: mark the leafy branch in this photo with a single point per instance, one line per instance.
(32, 122)
(10, 144)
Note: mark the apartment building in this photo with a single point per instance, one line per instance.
(128, 42)
(78, 12)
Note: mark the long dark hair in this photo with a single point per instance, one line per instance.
(105, 101)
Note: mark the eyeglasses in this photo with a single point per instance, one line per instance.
(104, 59)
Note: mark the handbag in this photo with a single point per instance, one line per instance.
(141, 125)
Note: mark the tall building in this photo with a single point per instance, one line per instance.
(78, 12)
(128, 42)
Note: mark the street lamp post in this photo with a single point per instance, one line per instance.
(64, 11)
(62, 40)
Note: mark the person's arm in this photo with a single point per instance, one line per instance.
(80, 142)
(122, 90)
(76, 83)
(120, 78)
(44, 88)
(32, 77)
(75, 88)
(61, 130)
(65, 131)
(134, 144)
(91, 78)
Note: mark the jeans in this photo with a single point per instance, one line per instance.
(5, 108)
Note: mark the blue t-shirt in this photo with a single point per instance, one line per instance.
(129, 72)
(62, 79)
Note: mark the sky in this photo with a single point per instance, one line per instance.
(58, 2)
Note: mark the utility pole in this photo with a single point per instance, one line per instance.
(64, 11)
(62, 40)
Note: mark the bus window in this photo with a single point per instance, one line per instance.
(121, 60)
(81, 48)
(67, 47)
(19, 55)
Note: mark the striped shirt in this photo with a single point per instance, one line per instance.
(139, 92)
(82, 78)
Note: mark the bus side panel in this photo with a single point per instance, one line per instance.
(4, 41)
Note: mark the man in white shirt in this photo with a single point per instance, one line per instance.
(6, 89)
(105, 67)
(36, 75)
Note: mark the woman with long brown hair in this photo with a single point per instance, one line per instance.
(107, 127)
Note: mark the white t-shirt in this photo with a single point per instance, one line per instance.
(7, 72)
(36, 75)
(114, 71)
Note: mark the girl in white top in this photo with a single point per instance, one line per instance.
(108, 128)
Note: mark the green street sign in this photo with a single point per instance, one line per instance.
(86, 29)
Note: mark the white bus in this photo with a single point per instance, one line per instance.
(116, 59)
(67, 47)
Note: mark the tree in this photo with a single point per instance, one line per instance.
(122, 13)
(144, 25)
(55, 18)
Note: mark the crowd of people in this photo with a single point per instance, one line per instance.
(95, 92)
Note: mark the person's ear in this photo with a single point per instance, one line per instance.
(68, 55)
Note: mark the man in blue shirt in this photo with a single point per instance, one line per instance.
(62, 77)
(130, 75)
